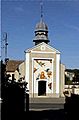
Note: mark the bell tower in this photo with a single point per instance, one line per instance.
(41, 30)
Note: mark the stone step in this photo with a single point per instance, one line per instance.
(45, 106)
(47, 100)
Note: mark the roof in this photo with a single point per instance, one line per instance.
(12, 65)
(41, 26)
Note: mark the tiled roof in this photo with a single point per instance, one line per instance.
(12, 65)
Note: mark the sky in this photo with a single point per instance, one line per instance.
(19, 18)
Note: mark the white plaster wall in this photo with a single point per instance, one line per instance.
(27, 69)
(35, 82)
(57, 72)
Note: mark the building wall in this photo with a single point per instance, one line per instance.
(21, 71)
(39, 54)
(10, 75)
(16, 75)
(42, 56)
(55, 83)
(62, 79)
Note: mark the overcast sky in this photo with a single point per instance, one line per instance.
(19, 18)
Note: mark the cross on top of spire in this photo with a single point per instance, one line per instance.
(41, 4)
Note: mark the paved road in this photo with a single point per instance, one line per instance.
(47, 115)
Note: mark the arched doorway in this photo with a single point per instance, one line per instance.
(41, 88)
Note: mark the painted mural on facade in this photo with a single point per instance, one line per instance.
(43, 71)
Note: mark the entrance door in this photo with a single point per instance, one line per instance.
(41, 88)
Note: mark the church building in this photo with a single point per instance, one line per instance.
(44, 72)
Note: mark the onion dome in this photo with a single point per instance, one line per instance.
(41, 26)
(41, 33)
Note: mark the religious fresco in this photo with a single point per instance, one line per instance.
(43, 70)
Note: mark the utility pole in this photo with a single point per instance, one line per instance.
(5, 47)
(2, 48)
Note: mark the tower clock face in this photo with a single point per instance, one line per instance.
(43, 70)
(42, 47)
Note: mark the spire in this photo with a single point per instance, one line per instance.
(41, 5)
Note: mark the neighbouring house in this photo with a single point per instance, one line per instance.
(20, 72)
(71, 89)
(12, 66)
(71, 86)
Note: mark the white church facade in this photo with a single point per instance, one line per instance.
(44, 72)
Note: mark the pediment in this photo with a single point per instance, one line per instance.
(43, 47)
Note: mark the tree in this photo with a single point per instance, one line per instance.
(75, 78)
(67, 81)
